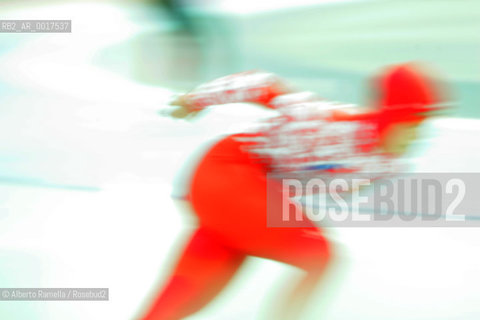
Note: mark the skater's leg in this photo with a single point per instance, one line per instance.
(231, 198)
(204, 269)
(311, 252)
(304, 247)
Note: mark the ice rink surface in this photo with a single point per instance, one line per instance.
(86, 172)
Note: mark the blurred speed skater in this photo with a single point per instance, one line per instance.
(311, 136)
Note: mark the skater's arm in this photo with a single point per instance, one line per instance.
(252, 86)
(263, 88)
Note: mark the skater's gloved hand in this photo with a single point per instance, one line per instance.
(182, 112)
(179, 108)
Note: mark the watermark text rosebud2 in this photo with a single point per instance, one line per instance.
(319, 188)
(408, 200)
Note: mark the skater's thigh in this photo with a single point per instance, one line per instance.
(243, 224)
(305, 248)
(206, 257)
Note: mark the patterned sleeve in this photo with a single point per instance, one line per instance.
(251, 86)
